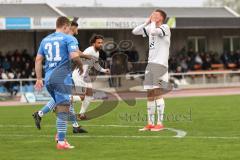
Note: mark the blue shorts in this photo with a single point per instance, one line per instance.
(59, 85)
(59, 98)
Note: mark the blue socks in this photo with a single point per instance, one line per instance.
(61, 125)
(47, 108)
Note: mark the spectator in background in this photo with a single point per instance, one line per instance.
(5, 64)
(8, 55)
(9, 85)
(28, 69)
(16, 53)
(191, 62)
(33, 74)
(215, 59)
(13, 63)
(18, 74)
(26, 55)
(190, 52)
(229, 60)
(24, 75)
(172, 64)
(19, 63)
(4, 74)
(198, 59)
(232, 58)
(184, 65)
(224, 58)
(237, 56)
(207, 63)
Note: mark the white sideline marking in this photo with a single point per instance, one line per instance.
(179, 133)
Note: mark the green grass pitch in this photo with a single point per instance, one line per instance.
(211, 123)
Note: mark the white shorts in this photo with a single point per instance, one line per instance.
(81, 82)
(155, 75)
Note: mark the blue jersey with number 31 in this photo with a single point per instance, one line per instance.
(56, 48)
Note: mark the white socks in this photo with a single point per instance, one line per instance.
(151, 108)
(75, 124)
(40, 113)
(61, 142)
(85, 104)
(160, 110)
(151, 112)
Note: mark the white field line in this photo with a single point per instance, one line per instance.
(179, 133)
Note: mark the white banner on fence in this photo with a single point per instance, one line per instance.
(84, 23)
(43, 23)
(109, 23)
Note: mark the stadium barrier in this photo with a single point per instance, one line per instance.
(133, 82)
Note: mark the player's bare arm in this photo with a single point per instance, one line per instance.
(38, 70)
(139, 30)
(76, 60)
(98, 67)
(82, 55)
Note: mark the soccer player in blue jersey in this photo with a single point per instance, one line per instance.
(58, 49)
(51, 104)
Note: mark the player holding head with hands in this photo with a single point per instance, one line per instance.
(156, 72)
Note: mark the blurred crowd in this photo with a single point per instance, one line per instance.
(14, 65)
(185, 61)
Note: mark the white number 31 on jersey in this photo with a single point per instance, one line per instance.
(49, 47)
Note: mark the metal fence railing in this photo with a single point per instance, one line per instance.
(224, 77)
(193, 79)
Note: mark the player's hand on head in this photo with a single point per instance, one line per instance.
(39, 85)
(148, 21)
(153, 17)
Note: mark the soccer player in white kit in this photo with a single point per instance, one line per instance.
(84, 80)
(157, 69)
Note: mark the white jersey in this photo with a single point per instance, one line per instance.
(84, 80)
(89, 63)
(159, 42)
